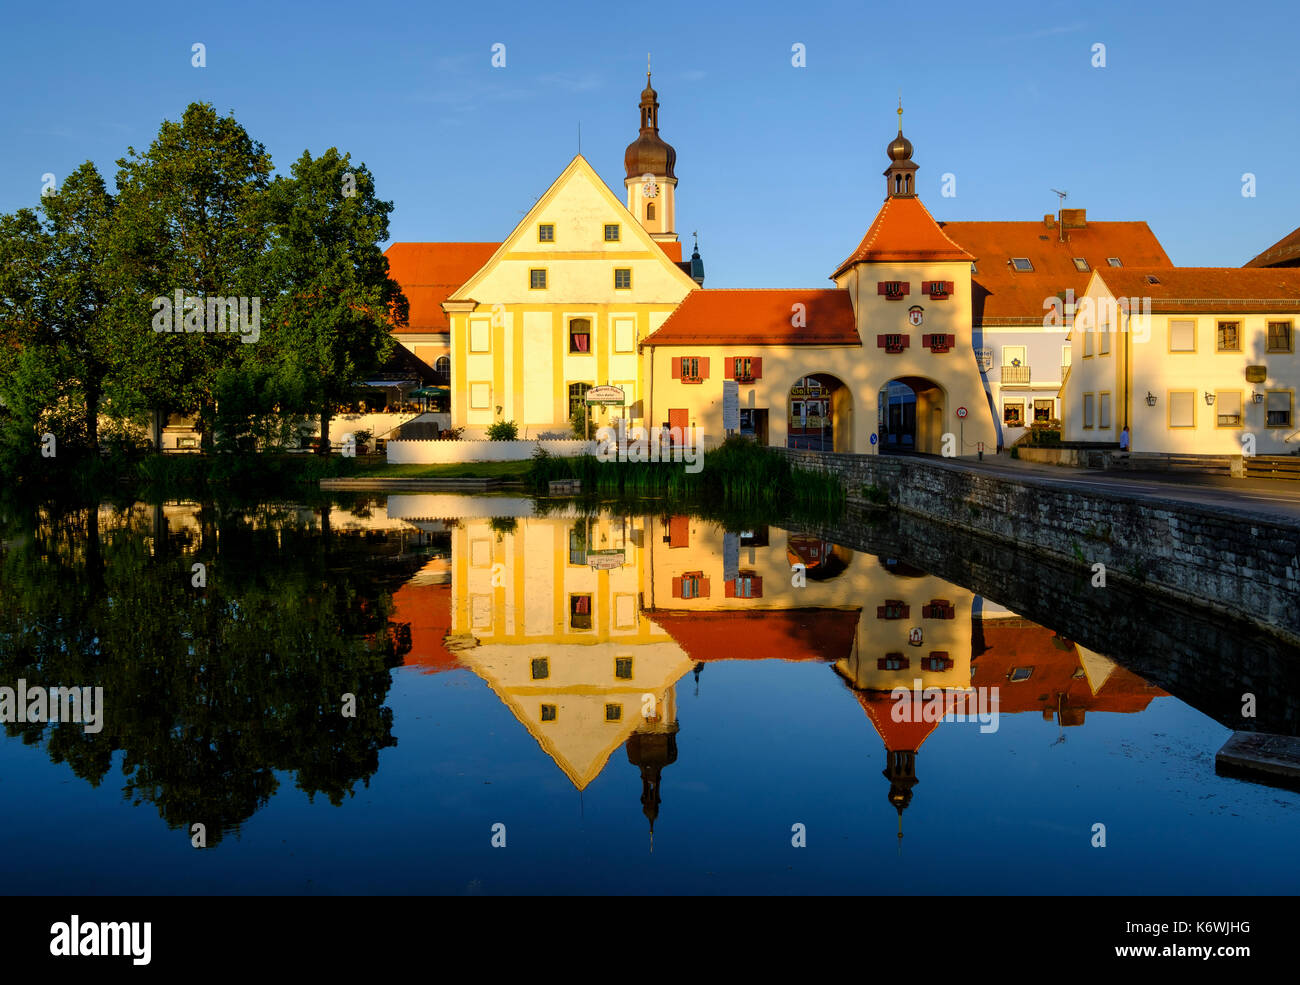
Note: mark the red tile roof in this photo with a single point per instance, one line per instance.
(759, 317)
(907, 735)
(903, 230)
(1001, 295)
(428, 274)
(426, 609)
(1285, 252)
(1212, 289)
(761, 634)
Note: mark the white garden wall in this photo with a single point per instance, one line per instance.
(452, 452)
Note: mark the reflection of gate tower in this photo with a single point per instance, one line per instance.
(903, 740)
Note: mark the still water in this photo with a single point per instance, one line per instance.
(486, 695)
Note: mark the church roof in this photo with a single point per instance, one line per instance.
(429, 272)
(1002, 295)
(1284, 253)
(735, 316)
(903, 231)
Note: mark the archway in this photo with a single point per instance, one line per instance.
(819, 414)
(911, 416)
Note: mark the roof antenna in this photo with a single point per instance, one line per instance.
(1060, 207)
(580, 138)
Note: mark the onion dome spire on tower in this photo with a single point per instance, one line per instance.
(900, 176)
(648, 154)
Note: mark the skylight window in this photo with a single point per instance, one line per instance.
(1081, 265)
(1152, 279)
(1022, 264)
(1114, 261)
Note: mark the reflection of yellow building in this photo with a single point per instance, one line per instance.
(562, 643)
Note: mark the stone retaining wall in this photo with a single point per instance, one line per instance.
(1244, 563)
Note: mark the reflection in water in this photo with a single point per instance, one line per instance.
(583, 626)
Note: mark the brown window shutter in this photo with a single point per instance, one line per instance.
(948, 286)
(677, 367)
(880, 341)
(729, 588)
(679, 531)
(880, 612)
(704, 588)
(729, 368)
(756, 366)
(925, 341)
(905, 287)
(880, 287)
(907, 341)
(704, 367)
(952, 341)
(757, 582)
(677, 588)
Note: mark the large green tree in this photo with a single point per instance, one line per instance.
(335, 302)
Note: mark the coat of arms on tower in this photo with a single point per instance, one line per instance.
(915, 314)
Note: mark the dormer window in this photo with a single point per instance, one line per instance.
(1114, 261)
(1081, 265)
(1022, 264)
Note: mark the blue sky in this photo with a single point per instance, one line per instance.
(779, 167)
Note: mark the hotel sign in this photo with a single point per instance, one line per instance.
(605, 560)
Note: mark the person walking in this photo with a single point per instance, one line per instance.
(1123, 439)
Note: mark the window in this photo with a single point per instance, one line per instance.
(893, 289)
(1043, 409)
(1182, 409)
(893, 661)
(1103, 410)
(537, 279)
(746, 585)
(938, 609)
(650, 211)
(893, 609)
(577, 397)
(1013, 413)
(1279, 408)
(690, 369)
(937, 660)
(623, 668)
(1066, 352)
(1089, 404)
(1081, 265)
(622, 278)
(613, 713)
(480, 396)
(578, 544)
(1020, 673)
(580, 335)
(442, 368)
(1022, 264)
(480, 335)
(1103, 340)
(1279, 336)
(611, 232)
(541, 668)
(580, 611)
(548, 713)
(546, 233)
(745, 369)
(692, 585)
(1228, 405)
(938, 290)
(893, 343)
(1228, 336)
(1087, 343)
(1114, 261)
(624, 334)
(1182, 335)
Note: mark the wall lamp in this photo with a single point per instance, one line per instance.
(1209, 397)
(1257, 397)
(1151, 399)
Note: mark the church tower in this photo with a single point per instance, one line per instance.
(900, 176)
(651, 183)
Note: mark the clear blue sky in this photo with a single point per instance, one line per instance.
(779, 167)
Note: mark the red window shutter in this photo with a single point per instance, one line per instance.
(925, 341)
(880, 287)
(679, 531)
(729, 588)
(756, 367)
(880, 612)
(677, 367)
(677, 588)
(704, 367)
(948, 286)
(907, 340)
(927, 286)
(880, 341)
(905, 287)
(704, 588)
(757, 582)
(729, 368)
(952, 341)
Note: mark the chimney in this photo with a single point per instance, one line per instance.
(1049, 221)
(1074, 218)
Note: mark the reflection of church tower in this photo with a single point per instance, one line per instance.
(903, 739)
(900, 771)
(650, 748)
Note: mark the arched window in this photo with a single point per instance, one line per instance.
(898, 183)
(650, 210)
(442, 368)
(907, 183)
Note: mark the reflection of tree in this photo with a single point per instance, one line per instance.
(207, 692)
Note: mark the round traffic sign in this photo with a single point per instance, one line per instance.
(961, 411)
(873, 439)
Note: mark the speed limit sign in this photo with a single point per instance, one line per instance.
(961, 411)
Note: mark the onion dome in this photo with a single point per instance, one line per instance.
(648, 154)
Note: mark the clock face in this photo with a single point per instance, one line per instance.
(650, 190)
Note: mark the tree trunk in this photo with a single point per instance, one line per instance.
(323, 447)
(157, 430)
(92, 420)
